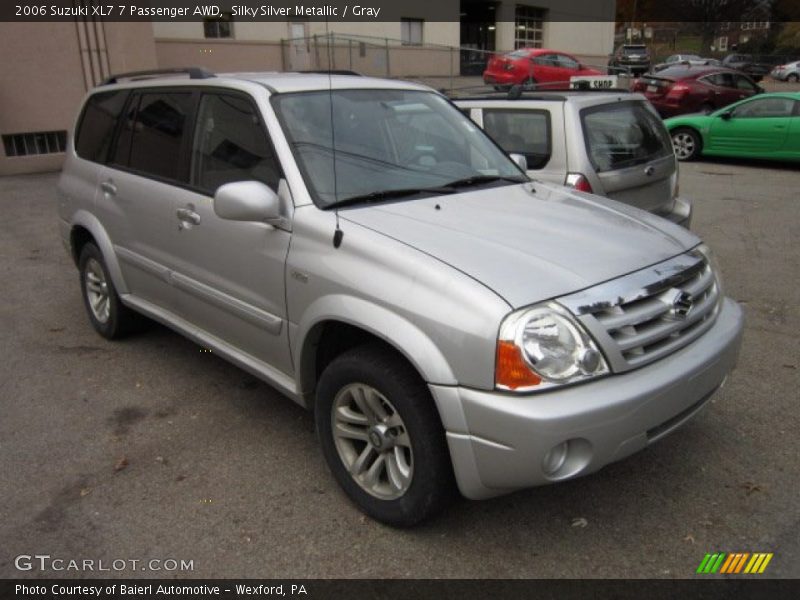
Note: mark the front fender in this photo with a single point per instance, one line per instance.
(397, 331)
(85, 219)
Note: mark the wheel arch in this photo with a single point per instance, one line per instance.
(334, 324)
(84, 228)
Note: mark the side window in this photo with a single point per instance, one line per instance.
(722, 80)
(230, 144)
(566, 62)
(96, 127)
(765, 107)
(743, 83)
(152, 135)
(525, 132)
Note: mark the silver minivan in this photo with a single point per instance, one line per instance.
(610, 143)
(364, 247)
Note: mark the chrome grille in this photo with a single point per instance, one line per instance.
(650, 313)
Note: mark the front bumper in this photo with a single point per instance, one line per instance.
(499, 442)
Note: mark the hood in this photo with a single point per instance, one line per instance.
(529, 242)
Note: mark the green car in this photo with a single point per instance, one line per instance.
(763, 126)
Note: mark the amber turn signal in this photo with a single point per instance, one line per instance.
(511, 370)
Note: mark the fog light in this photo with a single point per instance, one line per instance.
(554, 458)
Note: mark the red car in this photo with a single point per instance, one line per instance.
(685, 89)
(534, 65)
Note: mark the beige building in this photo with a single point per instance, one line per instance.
(48, 67)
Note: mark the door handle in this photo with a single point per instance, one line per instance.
(187, 215)
(108, 187)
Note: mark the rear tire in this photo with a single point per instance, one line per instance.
(686, 143)
(793, 77)
(382, 438)
(109, 317)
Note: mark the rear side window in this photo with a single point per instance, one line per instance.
(151, 140)
(96, 127)
(622, 135)
(525, 132)
(230, 144)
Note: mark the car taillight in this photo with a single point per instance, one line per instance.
(678, 91)
(579, 182)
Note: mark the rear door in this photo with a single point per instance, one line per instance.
(546, 68)
(756, 127)
(147, 166)
(630, 154)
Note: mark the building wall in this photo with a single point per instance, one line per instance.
(48, 67)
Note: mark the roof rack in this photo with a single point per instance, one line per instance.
(330, 72)
(193, 72)
(517, 92)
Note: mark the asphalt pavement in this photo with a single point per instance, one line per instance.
(151, 449)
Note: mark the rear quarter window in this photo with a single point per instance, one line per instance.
(97, 123)
(623, 135)
(517, 131)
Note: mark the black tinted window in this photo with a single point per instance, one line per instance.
(525, 132)
(96, 128)
(622, 135)
(156, 134)
(230, 144)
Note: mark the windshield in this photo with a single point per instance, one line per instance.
(384, 141)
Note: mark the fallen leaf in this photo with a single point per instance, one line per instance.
(751, 487)
(579, 522)
(121, 464)
(689, 538)
(85, 492)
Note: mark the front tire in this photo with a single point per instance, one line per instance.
(382, 437)
(109, 317)
(686, 143)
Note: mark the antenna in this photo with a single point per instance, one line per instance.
(338, 234)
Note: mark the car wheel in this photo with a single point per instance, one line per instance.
(108, 315)
(382, 437)
(793, 77)
(686, 143)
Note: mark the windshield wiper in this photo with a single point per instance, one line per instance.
(387, 195)
(481, 179)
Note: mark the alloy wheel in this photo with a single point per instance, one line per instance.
(97, 291)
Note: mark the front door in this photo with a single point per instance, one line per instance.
(756, 127)
(230, 274)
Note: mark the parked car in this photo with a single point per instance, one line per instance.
(767, 127)
(364, 247)
(539, 67)
(788, 72)
(692, 60)
(680, 89)
(611, 144)
(631, 58)
(747, 64)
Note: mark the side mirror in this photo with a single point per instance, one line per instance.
(520, 160)
(247, 201)
(726, 116)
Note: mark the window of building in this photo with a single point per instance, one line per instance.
(40, 142)
(411, 31)
(529, 27)
(722, 43)
(96, 128)
(219, 27)
(230, 144)
(151, 142)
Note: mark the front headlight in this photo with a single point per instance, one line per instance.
(544, 346)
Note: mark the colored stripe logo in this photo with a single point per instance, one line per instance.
(734, 563)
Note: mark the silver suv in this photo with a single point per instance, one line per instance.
(608, 143)
(364, 247)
